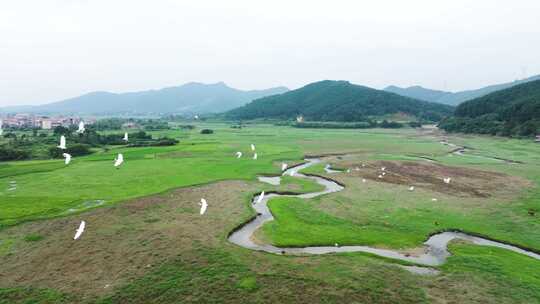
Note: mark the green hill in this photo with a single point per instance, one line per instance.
(338, 101)
(510, 112)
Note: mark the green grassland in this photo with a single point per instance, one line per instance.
(208, 269)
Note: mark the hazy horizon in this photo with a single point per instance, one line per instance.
(61, 49)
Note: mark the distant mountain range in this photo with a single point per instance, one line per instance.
(514, 111)
(190, 98)
(456, 98)
(338, 101)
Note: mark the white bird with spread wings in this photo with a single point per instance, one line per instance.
(203, 205)
(261, 197)
(62, 144)
(67, 158)
(80, 230)
(81, 127)
(119, 160)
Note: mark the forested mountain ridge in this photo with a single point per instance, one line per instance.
(511, 112)
(330, 100)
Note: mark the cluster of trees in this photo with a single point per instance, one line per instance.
(510, 112)
(11, 153)
(338, 101)
(40, 145)
(349, 125)
(117, 123)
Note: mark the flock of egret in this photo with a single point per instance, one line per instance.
(119, 160)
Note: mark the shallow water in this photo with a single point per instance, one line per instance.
(272, 180)
(435, 252)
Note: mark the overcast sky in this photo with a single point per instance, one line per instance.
(55, 49)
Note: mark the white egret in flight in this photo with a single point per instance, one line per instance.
(380, 176)
(80, 230)
(363, 180)
(447, 180)
(411, 188)
(203, 205)
(238, 154)
(252, 147)
(433, 199)
(62, 142)
(125, 137)
(284, 166)
(81, 127)
(255, 156)
(119, 160)
(67, 157)
(261, 197)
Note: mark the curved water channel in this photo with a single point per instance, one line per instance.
(435, 252)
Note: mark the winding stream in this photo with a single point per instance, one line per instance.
(435, 252)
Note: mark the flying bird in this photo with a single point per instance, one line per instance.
(433, 199)
(411, 188)
(284, 166)
(81, 127)
(238, 154)
(380, 176)
(255, 156)
(67, 157)
(363, 180)
(80, 230)
(62, 142)
(252, 147)
(203, 205)
(447, 180)
(383, 168)
(196, 117)
(384, 173)
(261, 197)
(125, 137)
(119, 160)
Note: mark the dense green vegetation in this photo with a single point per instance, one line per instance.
(510, 112)
(352, 125)
(338, 101)
(20, 145)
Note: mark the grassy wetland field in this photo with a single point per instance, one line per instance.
(145, 241)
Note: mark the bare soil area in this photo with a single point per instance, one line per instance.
(120, 242)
